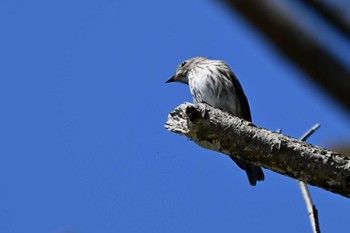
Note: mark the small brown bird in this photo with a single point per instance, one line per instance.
(214, 83)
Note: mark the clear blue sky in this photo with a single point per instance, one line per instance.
(83, 100)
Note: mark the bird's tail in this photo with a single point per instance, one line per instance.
(254, 173)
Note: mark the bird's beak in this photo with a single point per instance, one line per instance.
(173, 79)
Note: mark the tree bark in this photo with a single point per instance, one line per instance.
(219, 131)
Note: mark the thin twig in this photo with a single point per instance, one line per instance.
(311, 208)
(308, 133)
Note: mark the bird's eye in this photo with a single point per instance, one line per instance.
(183, 63)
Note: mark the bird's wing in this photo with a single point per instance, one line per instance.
(241, 96)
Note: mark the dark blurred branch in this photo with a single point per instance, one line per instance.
(219, 131)
(335, 18)
(298, 46)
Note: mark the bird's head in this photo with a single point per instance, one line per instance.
(181, 74)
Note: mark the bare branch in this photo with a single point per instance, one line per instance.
(216, 130)
(331, 15)
(311, 208)
(298, 46)
(308, 133)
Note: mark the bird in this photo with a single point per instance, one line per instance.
(213, 82)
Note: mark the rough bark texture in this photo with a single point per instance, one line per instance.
(216, 130)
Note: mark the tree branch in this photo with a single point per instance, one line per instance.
(311, 208)
(331, 15)
(216, 130)
(298, 46)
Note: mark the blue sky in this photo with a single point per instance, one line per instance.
(83, 144)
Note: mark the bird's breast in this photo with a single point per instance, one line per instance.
(217, 94)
